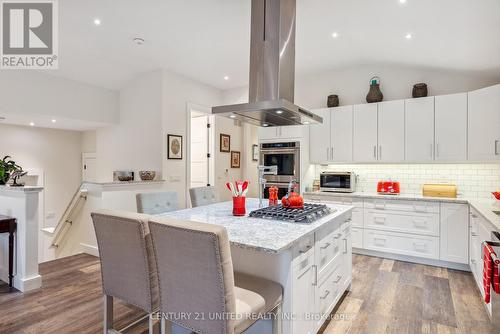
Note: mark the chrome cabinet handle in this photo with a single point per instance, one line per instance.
(305, 251)
(496, 147)
(375, 152)
(339, 277)
(345, 246)
(474, 234)
(380, 152)
(325, 246)
(327, 153)
(327, 292)
(315, 267)
(331, 152)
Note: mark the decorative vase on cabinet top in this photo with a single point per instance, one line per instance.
(374, 95)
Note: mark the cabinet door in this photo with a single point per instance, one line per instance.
(304, 289)
(347, 258)
(419, 129)
(268, 133)
(451, 127)
(292, 131)
(365, 133)
(391, 131)
(454, 233)
(319, 137)
(341, 134)
(484, 124)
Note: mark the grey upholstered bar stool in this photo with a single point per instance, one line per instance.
(195, 274)
(154, 203)
(203, 196)
(128, 266)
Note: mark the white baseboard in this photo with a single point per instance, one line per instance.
(89, 249)
(413, 259)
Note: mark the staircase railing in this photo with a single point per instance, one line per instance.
(66, 220)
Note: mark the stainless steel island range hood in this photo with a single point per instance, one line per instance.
(272, 69)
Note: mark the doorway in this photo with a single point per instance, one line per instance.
(201, 147)
(88, 167)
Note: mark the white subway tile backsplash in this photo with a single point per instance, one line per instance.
(473, 180)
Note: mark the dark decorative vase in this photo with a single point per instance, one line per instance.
(374, 95)
(419, 90)
(333, 101)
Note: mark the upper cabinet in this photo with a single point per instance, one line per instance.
(319, 138)
(451, 127)
(391, 131)
(331, 141)
(484, 124)
(365, 146)
(283, 132)
(341, 135)
(419, 129)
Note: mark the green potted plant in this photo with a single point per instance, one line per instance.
(7, 167)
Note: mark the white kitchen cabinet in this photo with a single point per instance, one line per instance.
(454, 233)
(365, 133)
(320, 138)
(391, 131)
(484, 124)
(341, 134)
(283, 132)
(451, 127)
(419, 129)
(304, 294)
(347, 257)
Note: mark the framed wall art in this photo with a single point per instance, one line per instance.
(174, 147)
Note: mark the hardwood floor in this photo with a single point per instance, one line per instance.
(387, 297)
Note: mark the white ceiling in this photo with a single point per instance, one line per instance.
(208, 39)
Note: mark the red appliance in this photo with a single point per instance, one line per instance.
(388, 188)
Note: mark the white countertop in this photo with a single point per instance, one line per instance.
(26, 189)
(270, 236)
(483, 206)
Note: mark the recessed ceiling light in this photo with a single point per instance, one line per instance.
(232, 116)
(265, 124)
(335, 34)
(139, 41)
(408, 36)
(226, 78)
(53, 120)
(32, 124)
(279, 112)
(97, 22)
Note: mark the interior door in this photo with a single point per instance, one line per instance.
(484, 124)
(391, 131)
(419, 129)
(89, 167)
(341, 134)
(365, 133)
(319, 137)
(199, 152)
(451, 127)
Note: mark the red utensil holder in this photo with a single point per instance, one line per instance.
(239, 206)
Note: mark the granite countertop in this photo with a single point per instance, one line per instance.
(270, 236)
(26, 189)
(483, 206)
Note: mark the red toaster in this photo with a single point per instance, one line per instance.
(388, 187)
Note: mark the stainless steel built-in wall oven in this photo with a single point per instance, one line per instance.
(285, 155)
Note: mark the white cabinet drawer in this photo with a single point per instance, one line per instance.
(357, 217)
(327, 249)
(357, 237)
(402, 205)
(303, 248)
(328, 291)
(400, 243)
(399, 221)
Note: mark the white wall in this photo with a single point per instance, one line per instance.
(352, 84)
(177, 91)
(55, 152)
(136, 142)
(36, 93)
(473, 180)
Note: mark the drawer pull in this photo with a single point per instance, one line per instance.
(379, 241)
(302, 251)
(325, 246)
(379, 205)
(348, 220)
(338, 236)
(339, 277)
(420, 223)
(474, 234)
(420, 247)
(379, 220)
(315, 267)
(327, 292)
(345, 246)
(419, 209)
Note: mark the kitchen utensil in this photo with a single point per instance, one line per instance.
(388, 188)
(439, 190)
(239, 206)
(244, 187)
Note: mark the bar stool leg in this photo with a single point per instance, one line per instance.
(108, 314)
(11, 256)
(278, 320)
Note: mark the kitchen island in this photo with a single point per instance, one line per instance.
(311, 261)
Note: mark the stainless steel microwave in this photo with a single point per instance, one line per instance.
(344, 182)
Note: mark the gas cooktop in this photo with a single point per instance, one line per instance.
(308, 214)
